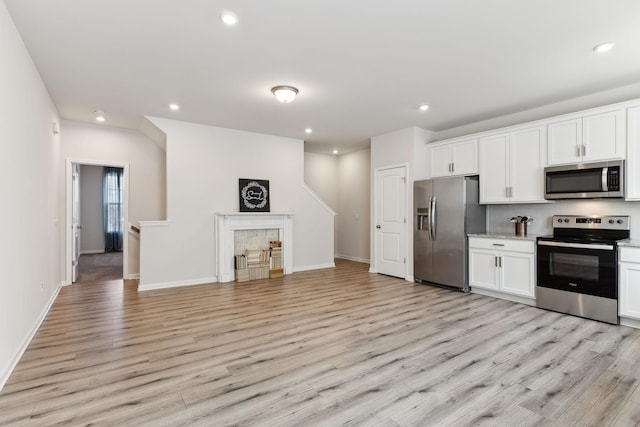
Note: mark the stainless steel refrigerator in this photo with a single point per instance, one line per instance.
(445, 210)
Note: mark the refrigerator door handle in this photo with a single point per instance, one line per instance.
(432, 218)
(428, 228)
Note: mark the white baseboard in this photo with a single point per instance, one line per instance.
(508, 297)
(32, 333)
(313, 267)
(91, 252)
(372, 270)
(633, 323)
(352, 258)
(132, 276)
(177, 284)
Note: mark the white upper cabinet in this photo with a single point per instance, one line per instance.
(512, 166)
(587, 139)
(632, 168)
(453, 158)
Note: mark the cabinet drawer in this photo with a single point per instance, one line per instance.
(627, 254)
(527, 246)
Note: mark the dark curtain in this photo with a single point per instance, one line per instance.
(113, 212)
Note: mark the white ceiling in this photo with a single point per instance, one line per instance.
(362, 66)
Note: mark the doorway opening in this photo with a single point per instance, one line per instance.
(97, 208)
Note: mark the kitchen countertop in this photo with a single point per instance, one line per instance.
(513, 236)
(631, 243)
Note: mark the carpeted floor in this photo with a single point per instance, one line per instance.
(100, 267)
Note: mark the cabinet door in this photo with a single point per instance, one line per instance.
(603, 136)
(629, 298)
(633, 154)
(483, 269)
(517, 274)
(464, 156)
(565, 142)
(493, 168)
(439, 161)
(526, 156)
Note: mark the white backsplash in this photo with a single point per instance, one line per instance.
(498, 216)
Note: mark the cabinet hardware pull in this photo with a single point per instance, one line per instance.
(584, 150)
(500, 261)
(498, 244)
(578, 150)
(495, 260)
(453, 167)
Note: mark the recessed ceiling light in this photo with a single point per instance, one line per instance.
(100, 116)
(229, 18)
(174, 107)
(335, 151)
(424, 107)
(284, 93)
(308, 130)
(604, 47)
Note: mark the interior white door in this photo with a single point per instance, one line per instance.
(75, 221)
(391, 221)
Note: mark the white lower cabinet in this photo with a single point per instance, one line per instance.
(629, 283)
(502, 265)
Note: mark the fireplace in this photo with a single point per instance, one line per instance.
(226, 225)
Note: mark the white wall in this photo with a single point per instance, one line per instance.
(30, 260)
(321, 174)
(593, 100)
(105, 145)
(91, 211)
(204, 164)
(354, 205)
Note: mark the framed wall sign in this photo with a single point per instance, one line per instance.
(254, 195)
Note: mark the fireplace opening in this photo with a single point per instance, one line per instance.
(253, 239)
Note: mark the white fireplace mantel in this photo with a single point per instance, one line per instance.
(226, 223)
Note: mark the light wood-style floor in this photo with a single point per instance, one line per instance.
(328, 347)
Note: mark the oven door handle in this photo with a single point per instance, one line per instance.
(577, 245)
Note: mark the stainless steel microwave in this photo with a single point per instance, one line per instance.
(585, 180)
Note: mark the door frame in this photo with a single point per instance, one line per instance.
(68, 258)
(376, 236)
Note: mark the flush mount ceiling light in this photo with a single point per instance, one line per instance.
(100, 116)
(229, 18)
(284, 93)
(308, 130)
(174, 107)
(424, 107)
(335, 151)
(603, 47)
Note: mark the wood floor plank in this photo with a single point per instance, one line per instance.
(328, 347)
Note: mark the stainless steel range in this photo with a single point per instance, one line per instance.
(578, 267)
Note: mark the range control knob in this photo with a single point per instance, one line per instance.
(566, 220)
(559, 219)
(611, 221)
(619, 221)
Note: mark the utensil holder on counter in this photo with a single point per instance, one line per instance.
(521, 229)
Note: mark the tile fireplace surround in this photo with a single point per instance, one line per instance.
(227, 223)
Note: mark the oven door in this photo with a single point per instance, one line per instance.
(583, 268)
